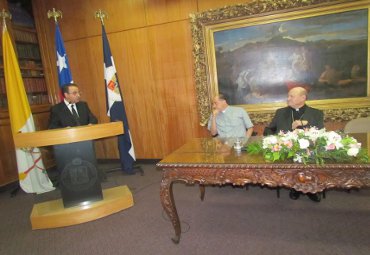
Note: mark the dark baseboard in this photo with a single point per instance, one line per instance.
(9, 187)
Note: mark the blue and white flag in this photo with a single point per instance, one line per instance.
(64, 73)
(116, 108)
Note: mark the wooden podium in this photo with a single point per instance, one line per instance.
(82, 197)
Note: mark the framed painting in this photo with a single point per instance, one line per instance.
(255, 52)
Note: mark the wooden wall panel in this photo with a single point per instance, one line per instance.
(172, 63)
(164, 11)
(131, 50)
(78, 16)
(8, 163)
(204, 5)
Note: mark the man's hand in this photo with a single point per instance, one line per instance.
(213, 123)
(299, 123)
(215, 112)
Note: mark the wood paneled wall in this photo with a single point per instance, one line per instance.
(152, 48)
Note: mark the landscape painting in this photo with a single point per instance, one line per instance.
(326, 54)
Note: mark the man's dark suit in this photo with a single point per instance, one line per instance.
(61, 116)
(283, 119)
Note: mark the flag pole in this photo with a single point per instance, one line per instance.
(115, 105)
(5, 15)
(99, 14)
(31, 173)
(63, 68)
(55, 14)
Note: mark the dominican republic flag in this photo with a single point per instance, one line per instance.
(32, 175)
(64, 73)
(116, 108)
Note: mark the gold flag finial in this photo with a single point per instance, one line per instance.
(5, 15)
(55, 14)
(101, 15)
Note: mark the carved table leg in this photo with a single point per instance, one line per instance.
(168, 204)
(202, 191)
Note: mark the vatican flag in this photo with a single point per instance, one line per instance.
(32, 175)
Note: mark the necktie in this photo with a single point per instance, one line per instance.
(75, 115)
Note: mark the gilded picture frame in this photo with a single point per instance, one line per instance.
(227, 63)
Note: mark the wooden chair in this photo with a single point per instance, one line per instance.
(360, 125)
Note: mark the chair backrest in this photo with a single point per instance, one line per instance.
(360, 125)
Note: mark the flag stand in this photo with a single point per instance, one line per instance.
(136, 169)
(15, 190)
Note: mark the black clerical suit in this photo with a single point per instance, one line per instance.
(284, 118)
(61, 116)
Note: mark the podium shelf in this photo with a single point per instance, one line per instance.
(52, 214)
(67, 135)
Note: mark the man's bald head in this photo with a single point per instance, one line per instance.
(299, 91)
(297, 97)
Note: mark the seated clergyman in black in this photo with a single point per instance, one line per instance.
(296, 115)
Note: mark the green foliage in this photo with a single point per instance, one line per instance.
(311, 146)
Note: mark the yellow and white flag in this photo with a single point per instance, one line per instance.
(32, 175)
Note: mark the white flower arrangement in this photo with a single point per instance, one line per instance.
(309, 146)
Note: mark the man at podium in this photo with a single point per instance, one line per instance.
(71, 112)
(79, 177)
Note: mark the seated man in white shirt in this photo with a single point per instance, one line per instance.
(229, 121)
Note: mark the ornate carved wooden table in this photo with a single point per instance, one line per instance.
(209, 161)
